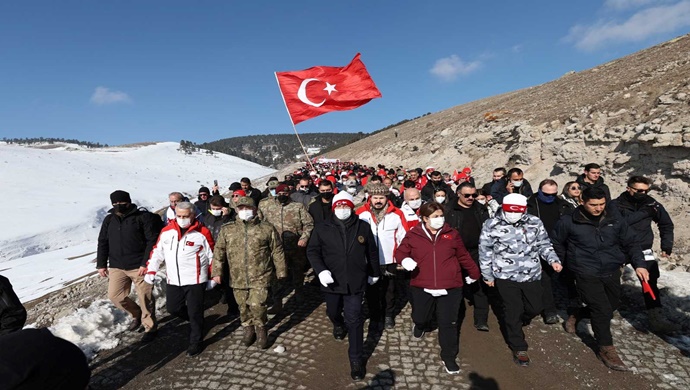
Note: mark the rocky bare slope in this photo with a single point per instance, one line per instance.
(631, 115)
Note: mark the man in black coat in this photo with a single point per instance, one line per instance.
(320, 207)
(592, 178)
(126, 239)
(467, 216)
(12, 312)
(595, 244)
(640, 210)
(343, 252)
(548, 207)
(202, 204)
(434, 184)
(512, 183)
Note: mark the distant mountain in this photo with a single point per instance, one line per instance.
(274, 150)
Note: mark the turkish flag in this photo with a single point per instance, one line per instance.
(315, 91)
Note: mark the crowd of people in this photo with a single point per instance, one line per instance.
(363, 229)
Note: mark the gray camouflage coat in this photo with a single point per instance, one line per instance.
(512, 251)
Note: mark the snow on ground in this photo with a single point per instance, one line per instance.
(60, 195)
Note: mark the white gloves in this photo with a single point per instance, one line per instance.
(373, 280)
(436, 293)
(210, 284)
(408, 264)
(325, 278)
(469, 280)
(150, 278)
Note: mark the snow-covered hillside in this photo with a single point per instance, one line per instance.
(58, 196)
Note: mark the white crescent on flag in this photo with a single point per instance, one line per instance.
(302, 93)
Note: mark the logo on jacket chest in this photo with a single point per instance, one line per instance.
(190, 243)
(360, 239)
(446, 236)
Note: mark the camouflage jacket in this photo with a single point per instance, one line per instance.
(292, 220)
(512, 251)
(252, 251)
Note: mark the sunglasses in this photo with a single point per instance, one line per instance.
(574, 188)
(203, 194)
(470, 195)
(640, 190)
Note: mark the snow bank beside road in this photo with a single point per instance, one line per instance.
(61, 195)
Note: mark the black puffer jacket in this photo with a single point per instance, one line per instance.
(590, 248)
(499, 191)
(214, 223)
(454, 217)
(640, 214)
(126, 241)
(347, 249)
(12, 313)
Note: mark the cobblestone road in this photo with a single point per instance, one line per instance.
(314, 360)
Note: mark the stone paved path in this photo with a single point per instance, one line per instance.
(314, 360)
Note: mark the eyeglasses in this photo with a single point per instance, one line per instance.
(574, 188)
(236, 196)
(470, 195)
(203, 194)
(640, 190)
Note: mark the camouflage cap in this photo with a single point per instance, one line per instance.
(377, 189)
(245, 201)
(272, 184)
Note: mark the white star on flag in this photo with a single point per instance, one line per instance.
(330, 88)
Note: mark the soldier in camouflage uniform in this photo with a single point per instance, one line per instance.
(253, 251)
(510, 246)
(294, 224)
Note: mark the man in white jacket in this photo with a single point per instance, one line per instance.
(389, 227)
(186, 246)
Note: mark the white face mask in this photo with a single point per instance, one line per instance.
(351, 190)
(415, 204)
(440, 199)
(400, 178)
(216, 213)
(245, 215)
(512, 217)
(343, 214)
(516, 183)
(436, 223)
(184, 222)
(481, 201)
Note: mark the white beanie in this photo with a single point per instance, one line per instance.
(343, 198)
(514, 203)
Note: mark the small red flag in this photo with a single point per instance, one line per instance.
(315, 91)
(647, 289)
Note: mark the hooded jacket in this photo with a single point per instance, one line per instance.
(126, 241)
(253, 251)
(316, 209)
(12, 312)
(595, 248)
(440, 258)
(187, 256)
(348, 250)
(640, 214)
(388, 232)
(512, 251)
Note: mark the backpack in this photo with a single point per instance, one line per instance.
(155, 220)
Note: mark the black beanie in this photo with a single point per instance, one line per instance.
(120, 196)
(204, 189)
(235, 186)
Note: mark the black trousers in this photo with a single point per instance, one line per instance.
(653, 268)
(187, 302)
(602, 295)
(446, 308)
(547, 299)
(346, 310)
(227, 290)
(521, 301)
(481, 296)
(381, 295)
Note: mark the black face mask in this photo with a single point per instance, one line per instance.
(283, 198)
(327, 195)
(121, 208)
(639, 196)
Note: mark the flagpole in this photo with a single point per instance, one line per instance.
(293, 124)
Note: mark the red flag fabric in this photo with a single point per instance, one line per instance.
(315, 91)
(646, 288)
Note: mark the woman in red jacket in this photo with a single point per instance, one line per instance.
(435, 254)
